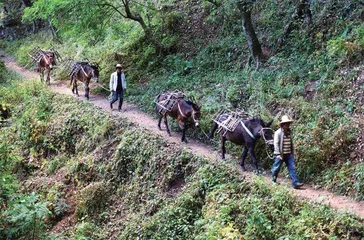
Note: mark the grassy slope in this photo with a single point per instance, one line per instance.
(328, 126)
(114, 180)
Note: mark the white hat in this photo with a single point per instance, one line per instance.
(118, 66)
(285, 119)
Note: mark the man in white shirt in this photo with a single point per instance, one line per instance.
(117, 86)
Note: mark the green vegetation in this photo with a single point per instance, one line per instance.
(312, 72)
(62, 157)
(311, 77)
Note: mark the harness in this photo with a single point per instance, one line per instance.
(193, 112)
(247, 130)
(83, 70)
(45, 58)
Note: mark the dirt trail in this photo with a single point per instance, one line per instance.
(133, 114)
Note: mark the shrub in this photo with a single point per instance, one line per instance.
(92, 199)
(26, 218)
(88, 231)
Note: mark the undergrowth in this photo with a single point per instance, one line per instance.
(312, 78)
(61, 157)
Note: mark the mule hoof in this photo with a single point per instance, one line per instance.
(242, 168)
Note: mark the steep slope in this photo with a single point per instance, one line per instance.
(102, 176)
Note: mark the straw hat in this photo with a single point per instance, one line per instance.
(285, 119)
(118, 66)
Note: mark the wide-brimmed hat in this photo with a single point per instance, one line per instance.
(118, 66)
(285, 119)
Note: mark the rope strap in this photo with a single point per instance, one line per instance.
(179, 108)
(247, 130)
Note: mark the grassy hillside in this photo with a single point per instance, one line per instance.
(316, 76)
(70, 171)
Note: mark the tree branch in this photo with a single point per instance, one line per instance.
(111, 6)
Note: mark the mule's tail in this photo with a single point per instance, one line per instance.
(212, 130)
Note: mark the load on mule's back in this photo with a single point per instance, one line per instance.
(45, 60)
(241, 129)
(83, 72)
(175, 105)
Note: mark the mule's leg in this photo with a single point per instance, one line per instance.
(223, 148)
(75, 86)
(183, 128)
(212, 130)
(48, 76)
(41, 73)
(159, 122)
(243, 156)
(253, 158)
(166, 123)
(87, 91)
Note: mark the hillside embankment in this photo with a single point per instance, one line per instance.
(117, 174)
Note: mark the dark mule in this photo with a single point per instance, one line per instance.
(83, 72)
(46, 62)
(246, 134)
(182, 110)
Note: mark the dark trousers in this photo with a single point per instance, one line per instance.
(288, 159)
(116, 95)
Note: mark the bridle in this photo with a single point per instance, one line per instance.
(267, 142)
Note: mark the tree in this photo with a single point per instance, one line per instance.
(127, 11)
(75, 16)
(253, 41)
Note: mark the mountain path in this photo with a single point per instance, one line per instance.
(133, 114)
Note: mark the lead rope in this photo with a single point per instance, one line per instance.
(261, 132)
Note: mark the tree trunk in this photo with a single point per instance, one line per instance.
(53, 30)
(148, 32)
(253, 41)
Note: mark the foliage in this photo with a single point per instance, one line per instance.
(26, 218)
(92, 199)
(133, 184)
(88, 230)
(348, 49)
(155, 190)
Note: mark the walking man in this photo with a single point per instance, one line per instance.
(117, 86)
(283, 151)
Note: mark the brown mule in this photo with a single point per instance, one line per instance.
(83, 72)
(182, 110)
(46, 62)
(246, 133)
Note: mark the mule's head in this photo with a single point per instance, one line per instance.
(196, 114)
(50, 59)
(267, 134)
(95, 72)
